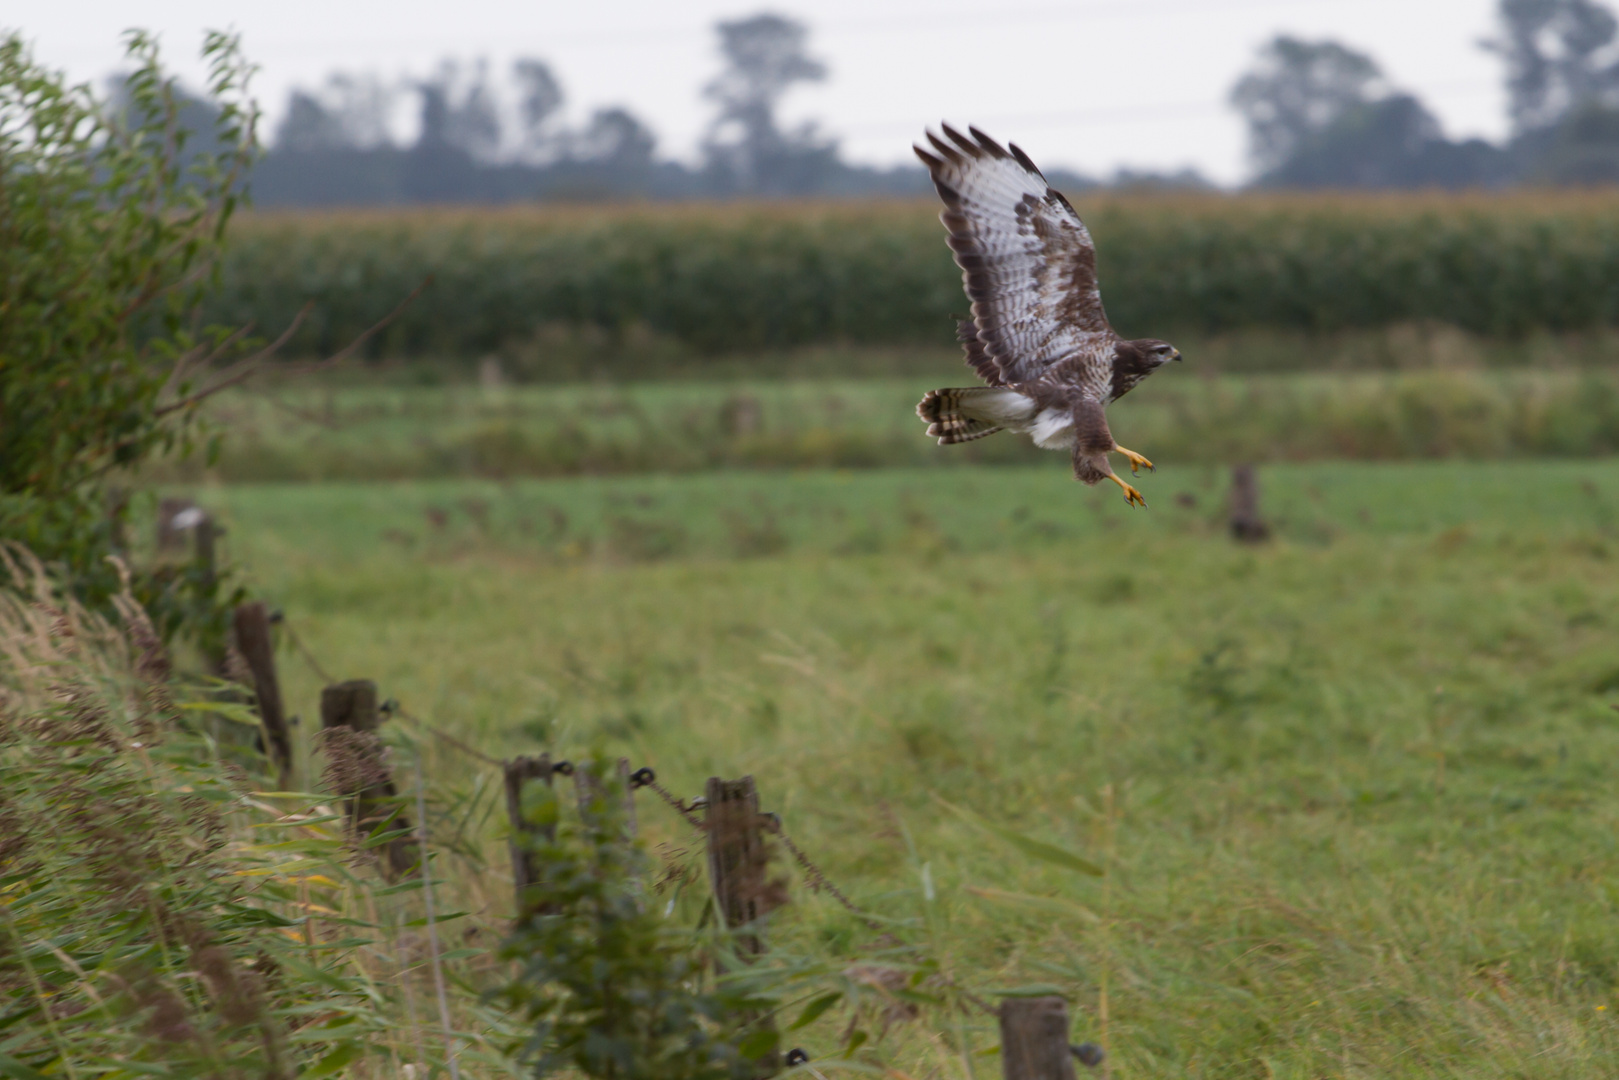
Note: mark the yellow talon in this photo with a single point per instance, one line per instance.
(1136, 461)
(1132, 497)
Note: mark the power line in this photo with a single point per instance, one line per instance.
(1169, 110)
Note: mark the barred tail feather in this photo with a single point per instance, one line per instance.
(962, 414)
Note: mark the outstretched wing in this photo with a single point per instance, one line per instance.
(1026, 259)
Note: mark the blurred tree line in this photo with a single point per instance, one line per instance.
(1320, 115)
(482, 141)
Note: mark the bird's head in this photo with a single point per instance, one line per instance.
(1156, 353)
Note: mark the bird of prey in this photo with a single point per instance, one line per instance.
(1038, 335)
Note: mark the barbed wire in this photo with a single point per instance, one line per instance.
(814, 876)
(303, 650)
(395, 709)
(645, 777)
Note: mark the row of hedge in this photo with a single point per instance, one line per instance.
(726, 279)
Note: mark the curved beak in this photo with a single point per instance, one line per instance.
(1177, 356)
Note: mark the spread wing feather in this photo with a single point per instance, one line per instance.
(1027, 261)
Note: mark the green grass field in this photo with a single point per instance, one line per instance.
(1355, 788)
(1185, 415)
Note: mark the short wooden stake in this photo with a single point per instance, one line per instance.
(519, 773)
(252, 625)
(1246, 524)
(738, 868)
(1034, 1039)
(353, 705)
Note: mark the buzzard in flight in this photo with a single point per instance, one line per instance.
(1038, 335)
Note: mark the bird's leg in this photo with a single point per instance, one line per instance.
(1136, 460)
(1131, 496)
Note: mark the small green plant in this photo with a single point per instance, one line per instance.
(613, 988)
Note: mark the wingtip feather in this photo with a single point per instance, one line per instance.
(967, 145)
(1024, 160)
(995, 148)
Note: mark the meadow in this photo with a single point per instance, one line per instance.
(1351, 788)
(1186, 415)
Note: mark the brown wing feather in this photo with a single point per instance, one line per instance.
(1028, 264)
(977, 358)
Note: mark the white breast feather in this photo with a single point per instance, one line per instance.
(1053, 429)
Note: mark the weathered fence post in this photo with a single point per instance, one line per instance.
(171, 527)
(1034, 1039)
(353, 705)
(1246, 524)
(252, 625)
(519, 771)
(738, 865)
(206, 535)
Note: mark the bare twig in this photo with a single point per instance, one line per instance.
(190, 356)
(349, 349)
(239, 370)
(245, 367)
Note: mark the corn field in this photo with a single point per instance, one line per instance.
(707, 280)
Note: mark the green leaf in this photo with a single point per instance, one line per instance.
(1050, 905)
(10, 1066)
(759, 1043)
(813, 1011)
(333, 1062)
(1028, 845)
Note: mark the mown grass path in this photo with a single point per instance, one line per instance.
(1362, 779)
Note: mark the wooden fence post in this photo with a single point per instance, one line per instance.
(519, 771)
(1246, 524)
(252, 625)
(738, 868)
(1034, 1039)
(205, 537)
(171, 534)
(353, 705)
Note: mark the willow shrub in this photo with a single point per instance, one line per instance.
(112, 220)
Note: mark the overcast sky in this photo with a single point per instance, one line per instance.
(1089, 84)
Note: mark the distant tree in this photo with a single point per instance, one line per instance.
(1322, 115)
(1394, 142)
(349, 112)
(308, 126)
(539, 98)
(459, 112)
(617, 139)
(1560, 57)
(1296, 90)
(765, 56)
